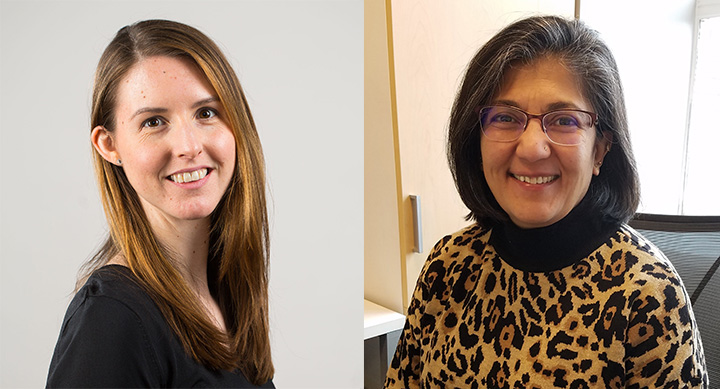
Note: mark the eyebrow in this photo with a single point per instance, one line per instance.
(550, 107)
(148, 110)
(155, 110)
(211, 99)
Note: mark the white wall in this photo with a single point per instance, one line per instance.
(300, 63)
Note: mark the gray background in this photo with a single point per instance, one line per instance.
(300, 63)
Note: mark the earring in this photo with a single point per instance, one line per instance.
(598, 164)
(119, 162)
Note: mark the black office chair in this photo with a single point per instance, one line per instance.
(692, 244)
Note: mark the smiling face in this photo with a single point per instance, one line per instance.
(534, 180)
(176, 147)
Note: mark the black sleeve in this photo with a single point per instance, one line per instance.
(103, 343)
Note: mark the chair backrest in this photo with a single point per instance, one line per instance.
(692, 244)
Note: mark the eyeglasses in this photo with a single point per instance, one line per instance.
(501, 123)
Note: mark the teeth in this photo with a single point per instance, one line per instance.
(181, 178)
(535, 180)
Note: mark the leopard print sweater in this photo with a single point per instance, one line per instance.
(617, 318)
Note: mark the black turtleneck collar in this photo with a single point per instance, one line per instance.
(556, 246)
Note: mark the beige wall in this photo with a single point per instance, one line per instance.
(383, 274)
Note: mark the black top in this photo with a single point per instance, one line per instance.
(114, 335)
(556, 246)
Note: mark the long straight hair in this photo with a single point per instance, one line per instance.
(239, 246)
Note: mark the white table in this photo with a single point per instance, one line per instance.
(380, 320)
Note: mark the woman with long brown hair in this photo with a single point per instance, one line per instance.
(177, 296)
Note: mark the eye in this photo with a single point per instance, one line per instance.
(563, 119)
(153, 122)
(567, 121)
(206, 113)
(503, 118)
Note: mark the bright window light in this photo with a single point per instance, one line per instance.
(702, 184)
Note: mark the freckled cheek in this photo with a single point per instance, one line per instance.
(147, 164)
(225, 148)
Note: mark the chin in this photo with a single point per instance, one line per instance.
(195, 217)
(194, 213)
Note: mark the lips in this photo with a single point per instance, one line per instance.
(190, 176)
(537, 180)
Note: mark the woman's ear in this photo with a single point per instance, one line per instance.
(602, 147)
(104, 143)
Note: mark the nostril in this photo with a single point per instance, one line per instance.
(190, 152)
(533, 146)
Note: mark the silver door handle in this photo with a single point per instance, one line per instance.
(417, 223)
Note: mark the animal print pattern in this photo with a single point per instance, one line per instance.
(619, 318)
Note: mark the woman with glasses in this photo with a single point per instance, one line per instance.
(177, 296)
(549, 287)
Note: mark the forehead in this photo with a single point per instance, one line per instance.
(162, 80)
(545, 82)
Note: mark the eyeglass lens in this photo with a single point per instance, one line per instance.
(506, 124)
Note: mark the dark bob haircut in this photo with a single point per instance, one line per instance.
(615, 193)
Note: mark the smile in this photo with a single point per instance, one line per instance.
(182, 178)
(535, 180)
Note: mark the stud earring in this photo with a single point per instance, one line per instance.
(119, 162)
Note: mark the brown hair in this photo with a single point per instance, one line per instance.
(615, 192)
(239, 251)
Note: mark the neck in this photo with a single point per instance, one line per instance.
(188, 243)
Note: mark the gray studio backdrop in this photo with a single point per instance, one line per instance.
(300, 63)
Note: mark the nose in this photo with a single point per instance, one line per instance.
(533, 144)
(187, 143)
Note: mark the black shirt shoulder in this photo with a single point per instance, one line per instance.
(105, 339)
(113, 335)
